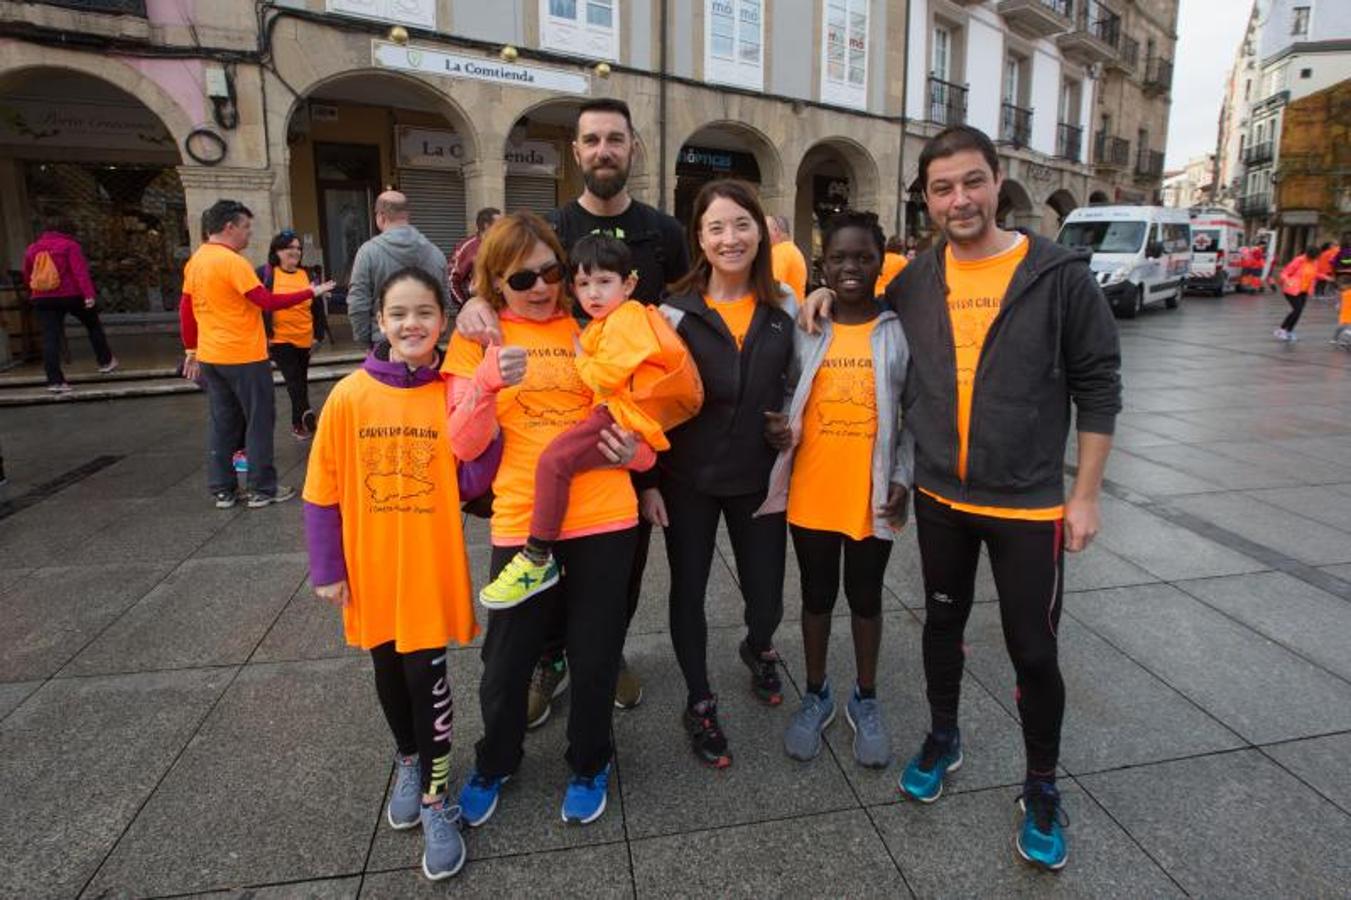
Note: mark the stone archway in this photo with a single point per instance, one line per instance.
(1098, 198)
(834, 173)
(1059, 205)
(1015, 207)
(726, 149)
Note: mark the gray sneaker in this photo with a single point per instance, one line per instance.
(802, 739)
(442, 845)
(872, 744)
(405, 803)
(281, 495)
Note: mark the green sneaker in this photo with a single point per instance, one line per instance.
(518, 581)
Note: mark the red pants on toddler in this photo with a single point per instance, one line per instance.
(575, 450)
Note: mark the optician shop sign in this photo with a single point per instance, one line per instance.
(434, 148)
(476, 68)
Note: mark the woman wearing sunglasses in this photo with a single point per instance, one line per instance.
(291, 332)
(528, 391)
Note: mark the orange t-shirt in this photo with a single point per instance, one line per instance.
(1299, 275)
(736, 315)
(831, 485)
(614, 347)
(383, 457)
(295, 325)
(790, 267)
(548, 401)
(229, 326)
(976, 290)
(892, 264)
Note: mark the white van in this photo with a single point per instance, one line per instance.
(1141, 254)
(1217, 237)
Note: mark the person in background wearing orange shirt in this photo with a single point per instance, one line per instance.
(843, 475)
(619, 353)
(382, 524)
(893, 261)
(291, 332)
(527, 389)
(788, 263)
(221, 316)
(1297, 281)
(1006, 330)
(1325, 286)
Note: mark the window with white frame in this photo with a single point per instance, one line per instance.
(734, 37)
(420, 13)
(941, 65)
(844, 52)
(1299, 22)
(587, 28)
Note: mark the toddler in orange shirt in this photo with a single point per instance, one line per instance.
(643, 380)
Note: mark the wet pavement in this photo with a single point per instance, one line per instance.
(178, 714)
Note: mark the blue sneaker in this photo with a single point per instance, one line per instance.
(478, 797)
(922, 779)
(442, 844)
(802, 737)
(585, 798)
(405, 803)
(1041, 840)
(872, 744)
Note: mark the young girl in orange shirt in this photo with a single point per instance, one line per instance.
(382, 522)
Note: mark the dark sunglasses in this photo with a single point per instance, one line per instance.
(524, 280)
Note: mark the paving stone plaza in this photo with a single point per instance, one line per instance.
(179, 716)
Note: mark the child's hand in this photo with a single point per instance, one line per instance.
(336, 593)
(777, 432)
(618, 445)
(511, 365)
(895, 505)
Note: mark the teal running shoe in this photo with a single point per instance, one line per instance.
(1041, 840)
(584, 800)
(922, 779)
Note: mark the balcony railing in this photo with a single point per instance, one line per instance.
(116, 7)
(1037, 18)
(1129, 57)
(1015, 125)
(1095, 38)
(1107, 28)
(1255, 205)
(1257, 154)
(1069, 141)
(1111, 151)
(947, 102)
(1158, 74)
(1149, 163)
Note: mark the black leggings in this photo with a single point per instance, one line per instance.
(1028, 564)
(818, 559)
(1296, 302)
(588, 603)
(414, 692)
(294, 364)
(759, 546)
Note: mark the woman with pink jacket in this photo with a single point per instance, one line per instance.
(57, 278)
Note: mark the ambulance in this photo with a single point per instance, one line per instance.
(1217, 237)
(1141, 254)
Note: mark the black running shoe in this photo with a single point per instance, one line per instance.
(765, 683)
(706, 737)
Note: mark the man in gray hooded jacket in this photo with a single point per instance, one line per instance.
(397, 246)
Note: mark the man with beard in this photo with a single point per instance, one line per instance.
(603, 148)
(1005, 329)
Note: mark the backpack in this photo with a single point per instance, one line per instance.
(44, 276)
(667, 386)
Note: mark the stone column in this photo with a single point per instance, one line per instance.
(485, 183)
(204, 185)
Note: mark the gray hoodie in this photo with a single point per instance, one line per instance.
(396, 248)
(893, 457)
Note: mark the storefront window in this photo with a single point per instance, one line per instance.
(587, 28)
(734, 42)
(844, 70)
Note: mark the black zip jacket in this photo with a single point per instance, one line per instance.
(1053, 340)
(722, 452)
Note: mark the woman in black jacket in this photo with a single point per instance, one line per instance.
(729, 311)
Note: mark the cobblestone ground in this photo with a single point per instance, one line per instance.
(178, 714)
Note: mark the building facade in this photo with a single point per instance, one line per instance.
(1301, 47)
(1192, 185)
(162, 107)
(1313, 190)
(1058, 82)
